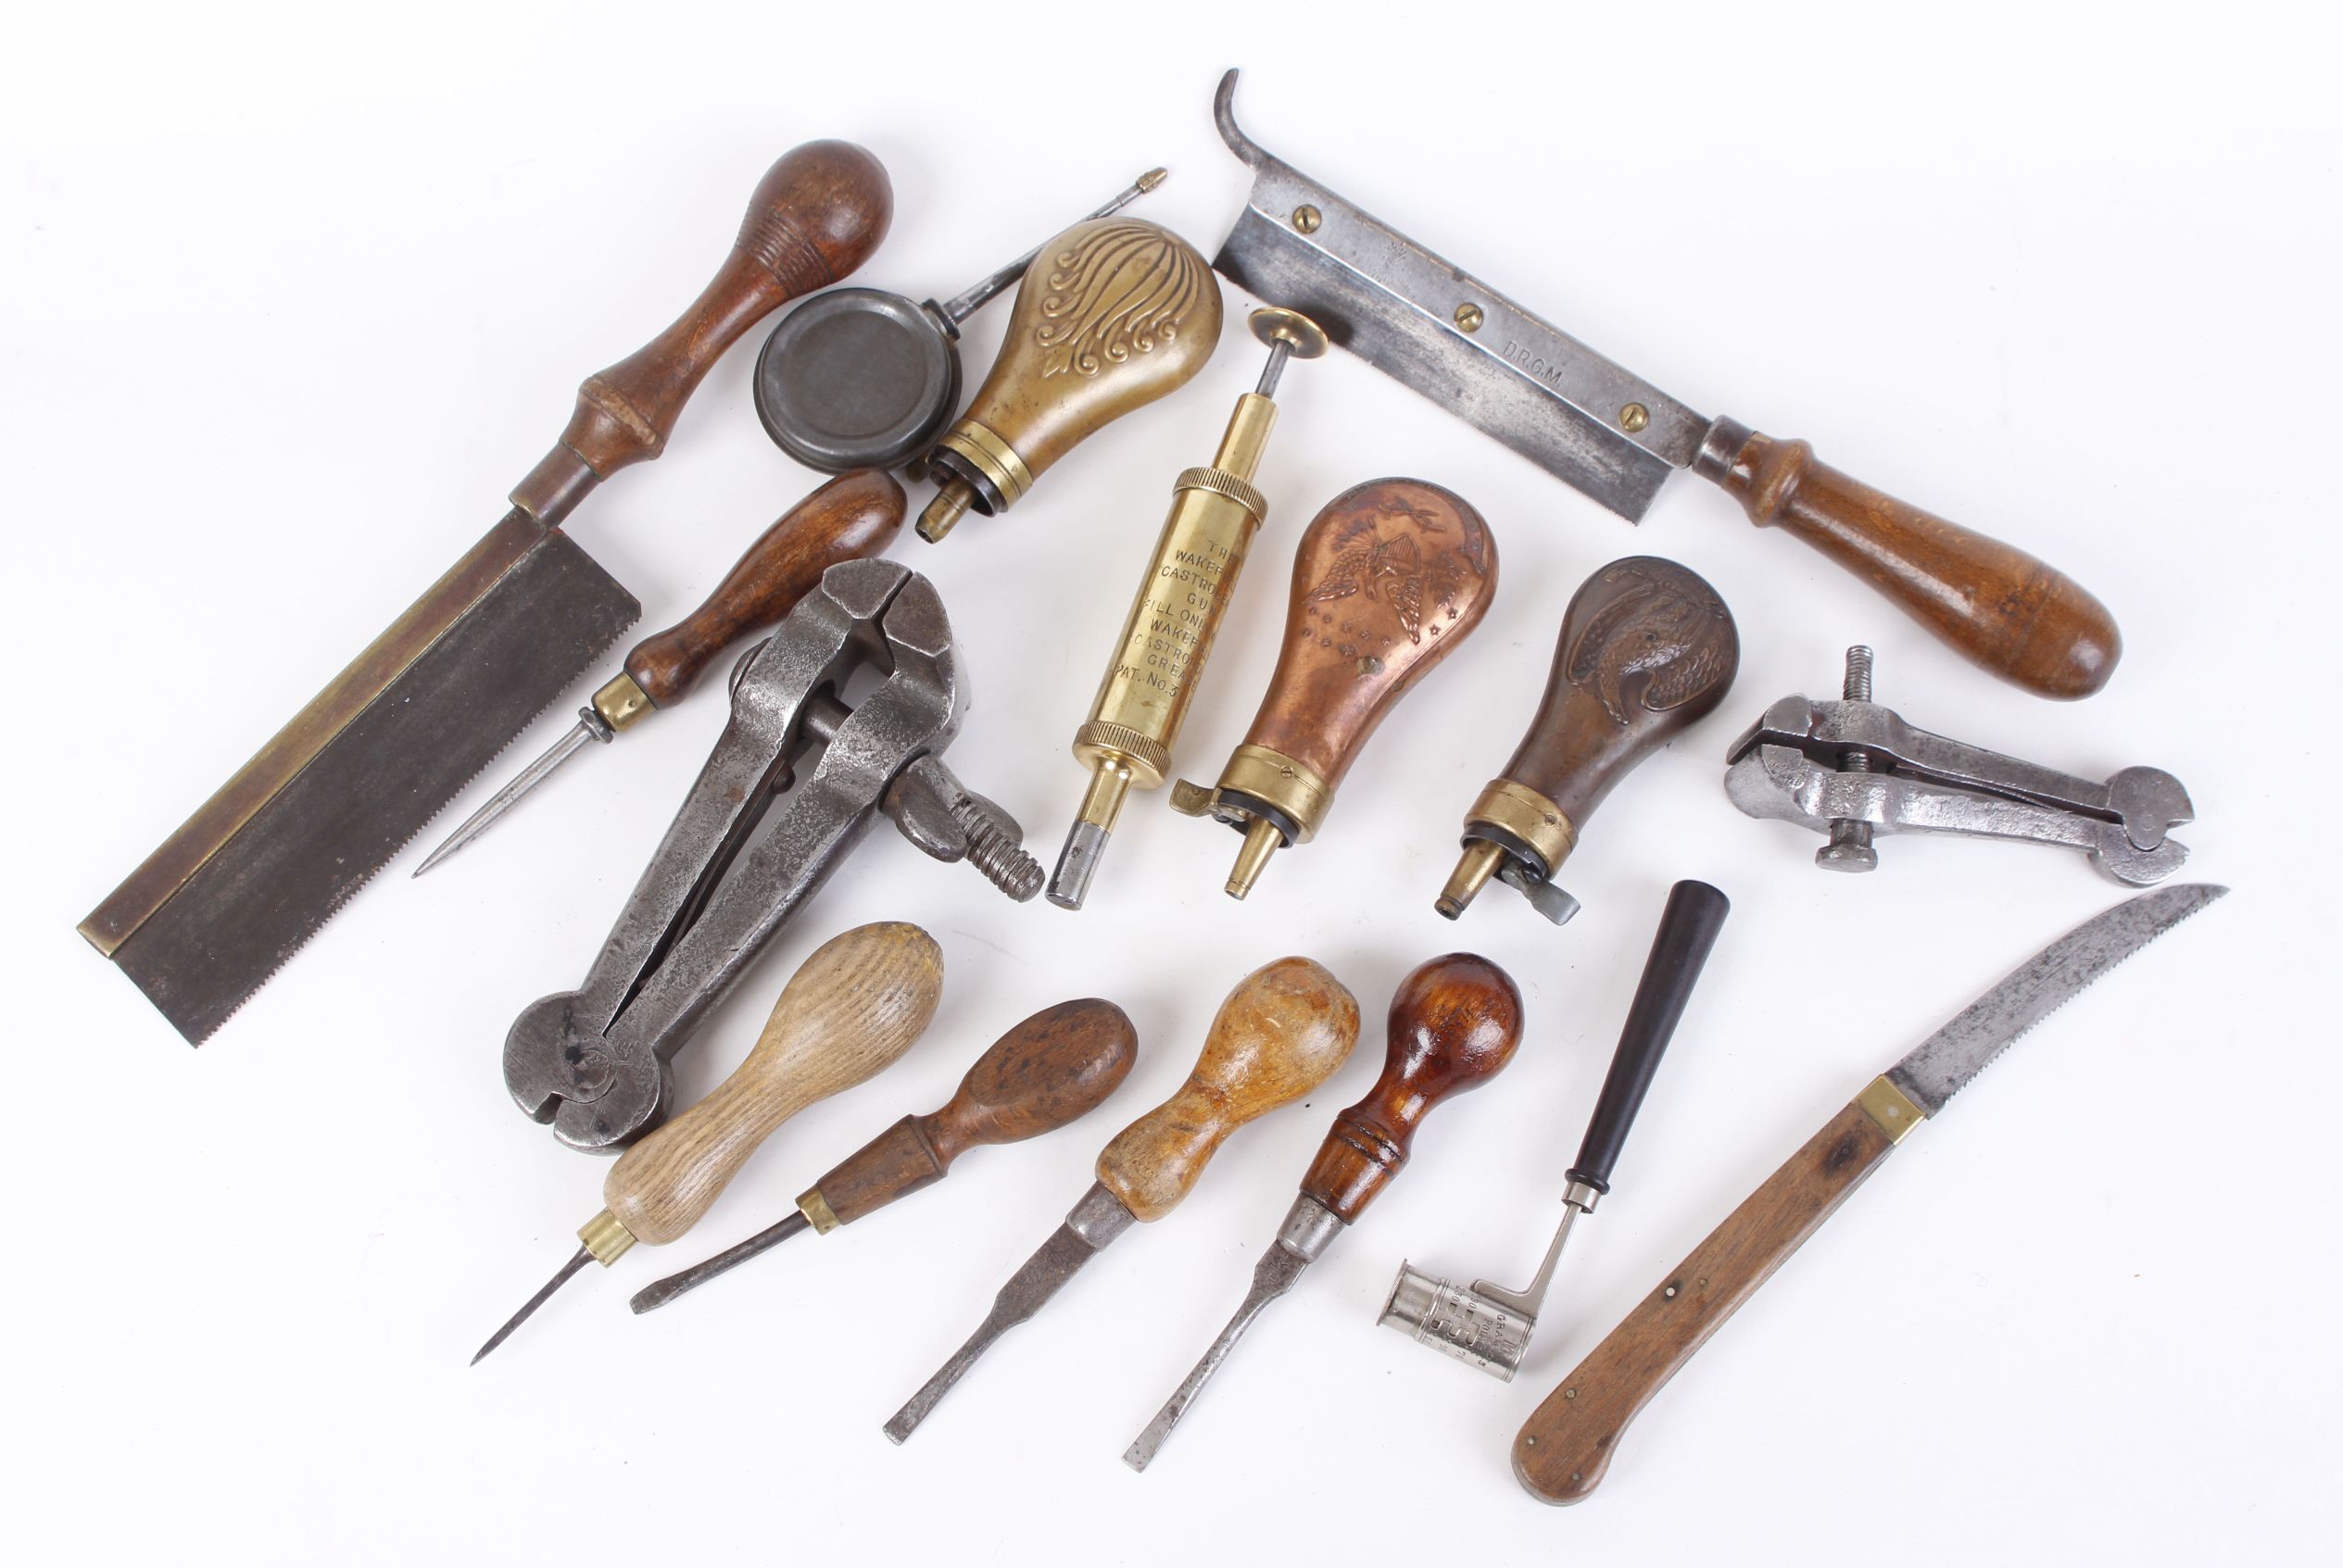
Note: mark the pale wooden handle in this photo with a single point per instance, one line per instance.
(1282, 1031)
(1568, 1442)
(852, 1009)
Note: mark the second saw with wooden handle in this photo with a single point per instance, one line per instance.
(1567, 1445)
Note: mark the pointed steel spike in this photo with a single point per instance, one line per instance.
(590, 727)
(659, 1292)
(556, 1282)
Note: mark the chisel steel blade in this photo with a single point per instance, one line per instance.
(265, 862)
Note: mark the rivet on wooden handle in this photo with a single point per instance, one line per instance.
(851, 1009)
(817, 215)
(853, 516)
(1567, 1444)
(2026, 621)
(1282, 1031)
(1054, 1068)
(1455, 1024)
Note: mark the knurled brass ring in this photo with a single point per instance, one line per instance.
(1527, 816)
(992, 457)
(1104, 734)
(1283, 782)
(1222, 483)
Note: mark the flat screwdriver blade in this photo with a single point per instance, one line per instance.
(1094, 1222)
(1308, 1228)
(504, 800)
(659, 1292)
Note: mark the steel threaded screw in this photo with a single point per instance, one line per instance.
(998, 854)
(1850, 845)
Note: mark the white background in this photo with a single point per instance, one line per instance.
(294, 295)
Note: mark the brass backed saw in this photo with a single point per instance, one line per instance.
(267, 860)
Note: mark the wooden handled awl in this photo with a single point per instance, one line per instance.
(1570, 1440)
(848, 519)
(206, 918)
(1054, 1068)
(1281, 1033)
(851, 1009)
(1455, 1024)
(1646, 650)
(1389, 576)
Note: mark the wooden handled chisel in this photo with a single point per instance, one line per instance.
(1569, 1439)
(267, 860)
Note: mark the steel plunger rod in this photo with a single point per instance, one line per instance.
(1281, 1033)
(851, 1009)
(1455, 1024)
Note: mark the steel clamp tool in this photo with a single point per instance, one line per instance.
(594, 1062)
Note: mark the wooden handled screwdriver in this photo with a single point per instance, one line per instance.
(852, 1009)
(1054, 1068)
(1281, 1033)
(1455, 1024)
(852, 516)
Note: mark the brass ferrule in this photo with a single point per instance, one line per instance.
(605, 1237)
(1004, 472)
(1523, 814)
(1890, 1109)
(816, 1209)
(621, 702)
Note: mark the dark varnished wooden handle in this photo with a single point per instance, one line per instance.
(1388, 577)
(2024, 621)
(852, 516)
(1648, 649)
(1282, 1031)
(1567, 1444)
(817, 215)
(1455, 1024)
(1054, 1068)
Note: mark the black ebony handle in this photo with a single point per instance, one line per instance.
(1688, 929)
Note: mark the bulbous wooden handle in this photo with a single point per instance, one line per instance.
(852, 1009)
(852, 516)
(1282, 1031)
(1455, 1024)
(2025, 621)
(1646, 650)
(1388, 577)
(1054, 1068)
(817, 214)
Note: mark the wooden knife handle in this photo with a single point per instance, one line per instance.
(1568, 1442)
(1388, 577)
(817, 214)
(851, 1009)
(1054, 1068)
(1282, 1031)
(1455, 1024)
(853, 516)
(2025, 621)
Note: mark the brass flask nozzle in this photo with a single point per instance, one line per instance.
(1143, 699)
(1113, 314)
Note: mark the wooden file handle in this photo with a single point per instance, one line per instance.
(1455, 1024)
(853, 516)
(1282, 1031)
(1054, 1068)
(817, 214)
(851, 1010)
(2025, 621)
(1568, 1442)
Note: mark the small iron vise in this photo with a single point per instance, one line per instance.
(595, 1061)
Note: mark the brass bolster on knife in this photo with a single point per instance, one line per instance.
(1890, 1109)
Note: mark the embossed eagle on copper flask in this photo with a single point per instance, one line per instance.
(1664, 625)
(1381, 558)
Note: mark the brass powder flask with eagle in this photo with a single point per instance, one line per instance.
(1389, 576)
(1647, 648)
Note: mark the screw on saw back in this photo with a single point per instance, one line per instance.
(595, 1061)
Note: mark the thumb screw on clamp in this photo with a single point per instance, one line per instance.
(1850, 845)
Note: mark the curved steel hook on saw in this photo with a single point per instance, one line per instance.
(595, 1061)
(1788, 767)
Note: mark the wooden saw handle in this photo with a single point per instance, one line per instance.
(1282, 1031)
(817, 215)
(1455, 1024)
(1567, 1444)
(853, 516)
(852, 1009)
(2025, 621)
(1054, 1068)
